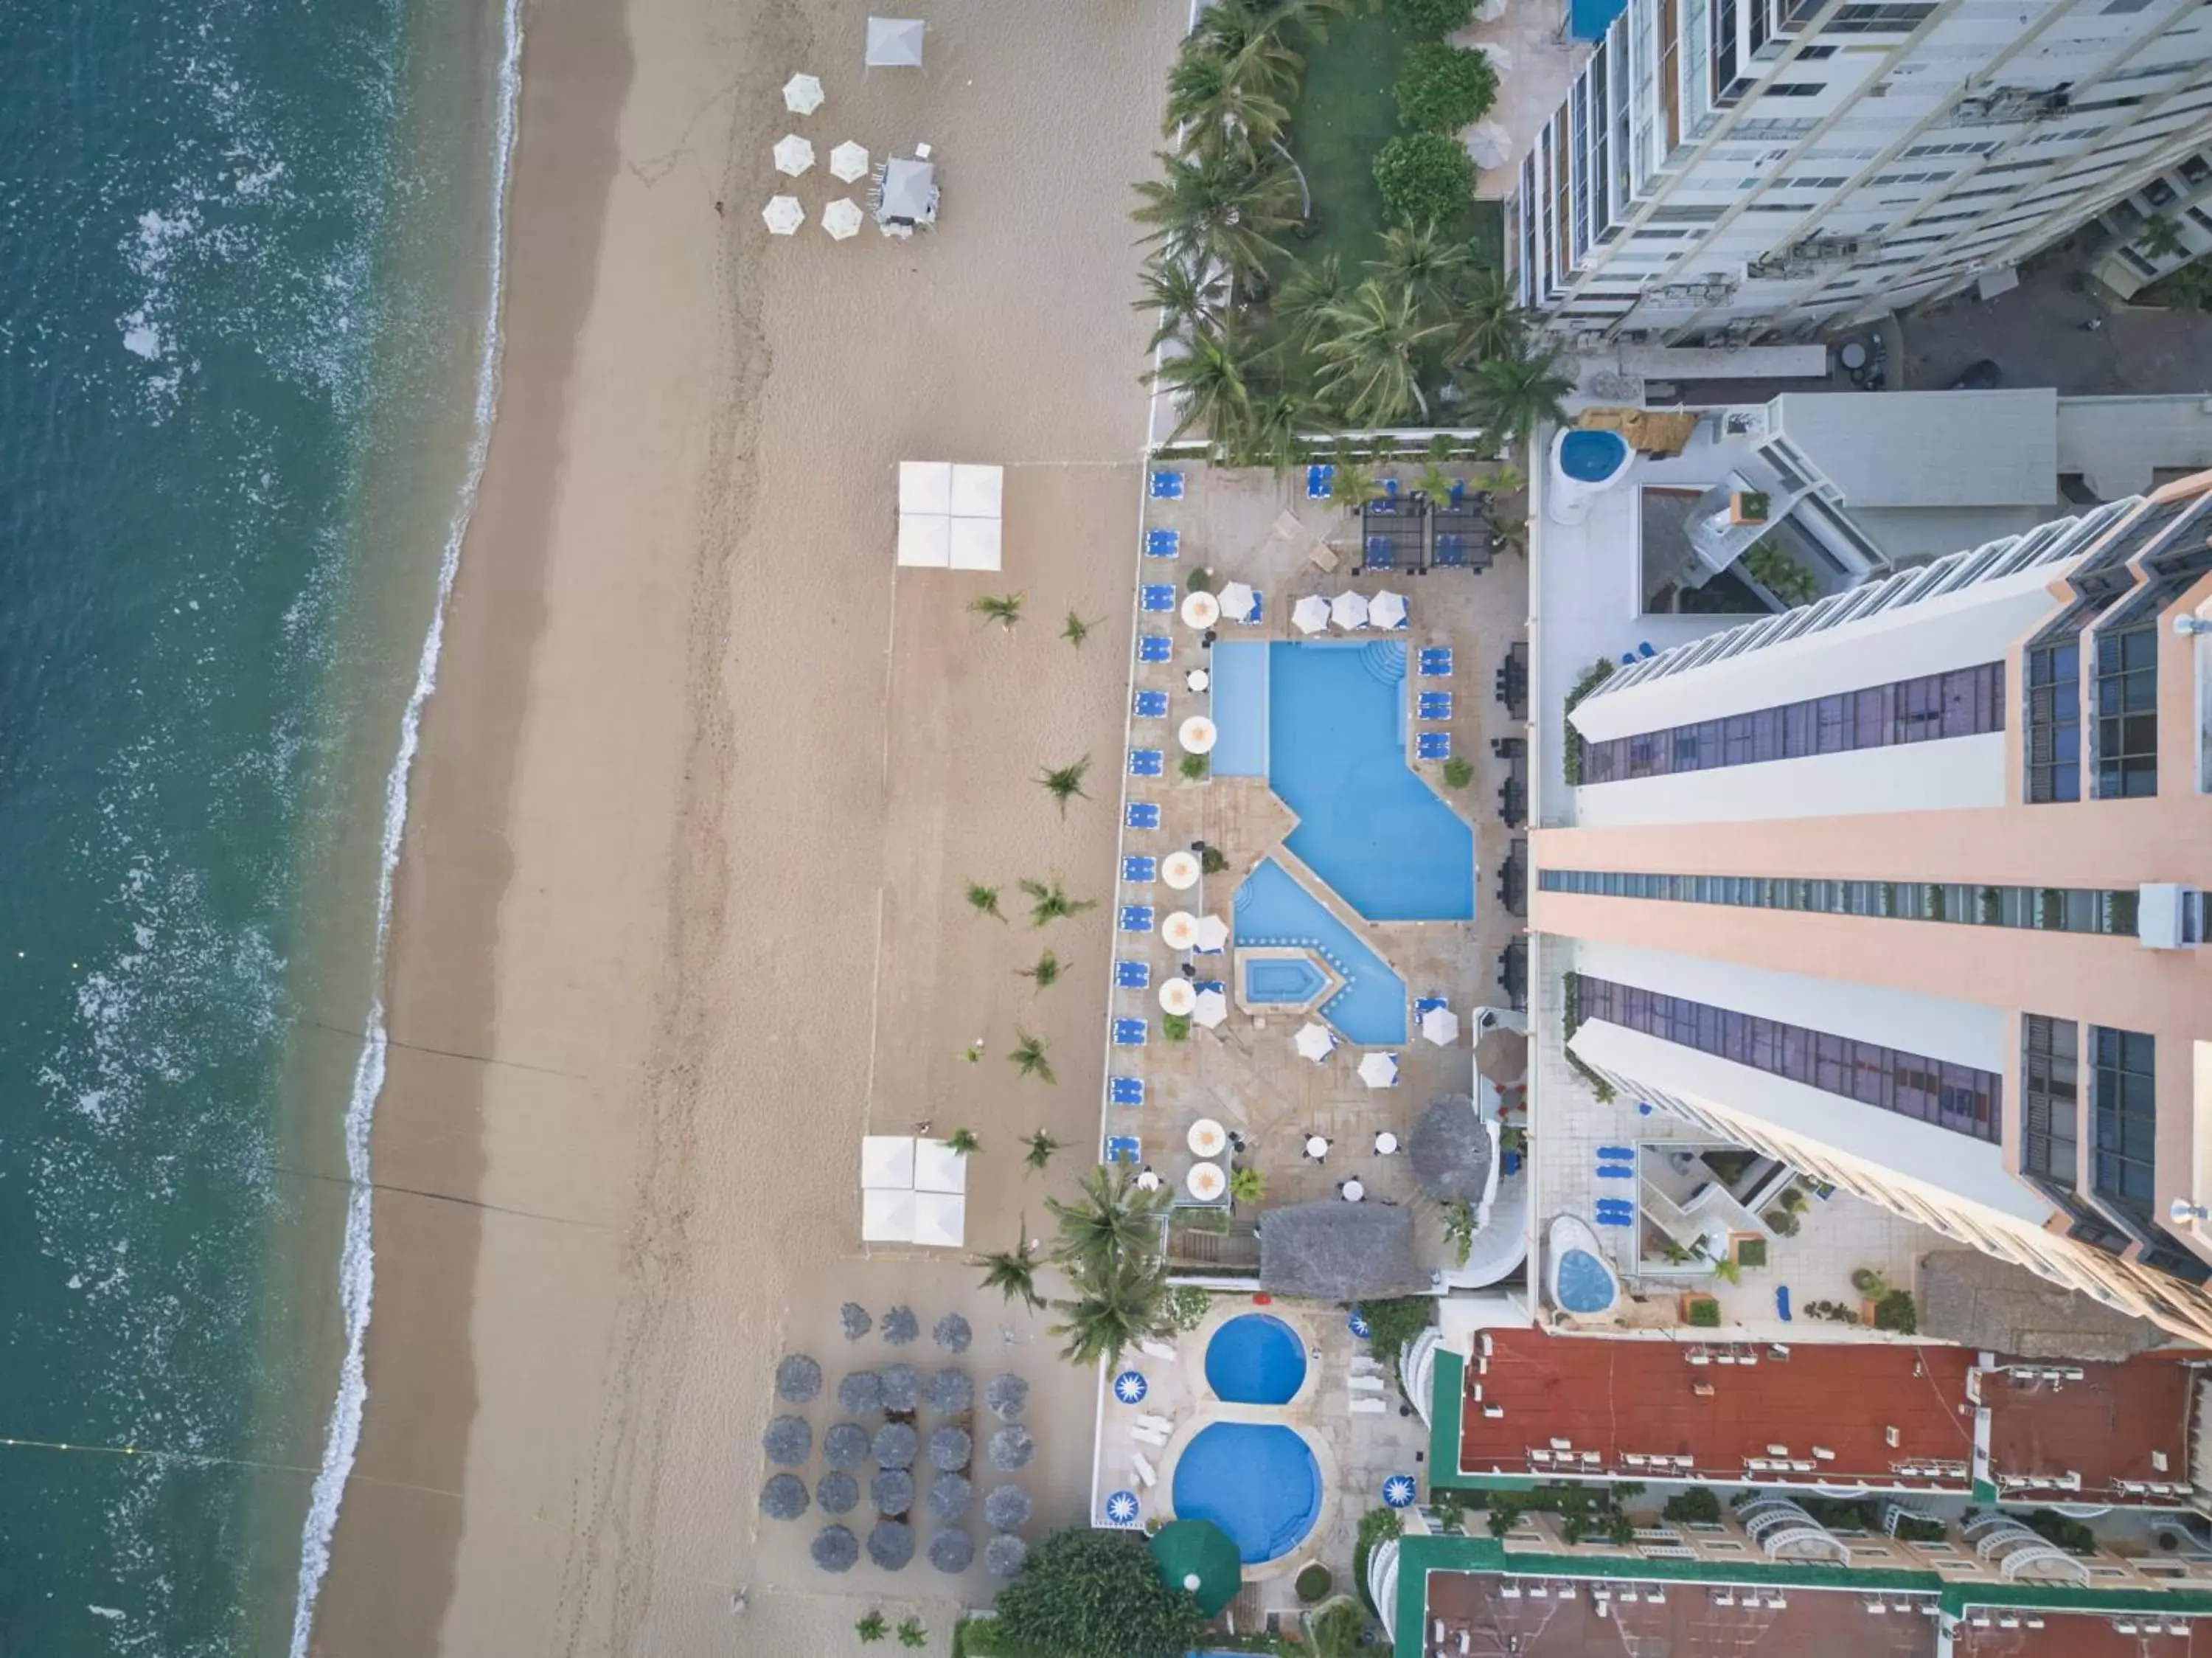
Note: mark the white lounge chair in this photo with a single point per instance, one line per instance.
(1365, 1384)
(1368, 1405)
(1157, 1424)
(1147, 1436)
(1158, 1349)
(1147, 1475)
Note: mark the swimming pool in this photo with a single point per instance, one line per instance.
(1290, 978)
(1240, 711)
(1253, 1359)
(1258, 1482)
(1579, 1280)
(1274, 909)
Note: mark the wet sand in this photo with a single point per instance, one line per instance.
(680, 910)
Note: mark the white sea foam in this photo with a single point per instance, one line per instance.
(356, 1263)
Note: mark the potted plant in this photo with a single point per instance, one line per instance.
(1701, 1312)
(1748, 507)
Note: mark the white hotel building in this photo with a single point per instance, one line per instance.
(1727, 170)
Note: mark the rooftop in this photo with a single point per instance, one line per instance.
(1534, 1618)
(2118, 1422)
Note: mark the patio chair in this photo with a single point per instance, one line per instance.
(1126, 1090)
(1154, 648)
(1139, 868)
(1167, 486)
(1131, 1032)
(1158, 597)
(1435, 746)
(1163, 543)
(1152, 704)
(1320, 483)
(1133, 975)
(1136, 918)
(1146, 762)
(1436, 662)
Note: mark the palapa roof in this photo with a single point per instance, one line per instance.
(1451, 1151)
(1338, 1251)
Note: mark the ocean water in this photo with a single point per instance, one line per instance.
(248, 275)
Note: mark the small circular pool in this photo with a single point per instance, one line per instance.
(1258, 1482)
(1254, 1359)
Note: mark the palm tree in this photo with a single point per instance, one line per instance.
(2161, 237)
(1516, 392)
(1223, 109)
(1075, 629)
(1246, 1184)
(1029, 1057)
(1053, 904)
(1222, 212)
(1044, 974)
(1185, 299)
(1066, 782)
(1302, 303)
(872, 1628)
(913, 1633)
(1012, 1272)
(1207, 379)
(1488, 324)
(1041, 1145)
(1267, 434)
(1114, 1306)
(962, 1143)
(1004, 608)
(1248, 43)
(1371, 361)
(1425, 263)
(984, 900)
(1109, 1218)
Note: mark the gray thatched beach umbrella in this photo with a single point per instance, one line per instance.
(900, 1326)
(836, 1493)
(836, 1549)
(891, 1545)
(952, 1333)
(901, 1387)
(854, 1317)
(787, 1440)
(797, 1379)
(1011, 1449)
(895, 1445)
(891, 1492)
(1451, 1151)
(784, 1497)
(1006, 1507)
(952, 1550)
(950, 1496)
(949, 1447)
(1007, 1396)
(949, 1392)
(1003, 1555)
(860, 1392)
(844, 1445)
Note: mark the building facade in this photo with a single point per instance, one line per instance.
(1907, 888)
(1727, 170)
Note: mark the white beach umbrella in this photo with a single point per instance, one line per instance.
(1310, 613)
(1201, 610)
(1211, 934)
(1379, 1070)
(842, 218)
(848, 161)
(1197, 734)
(1501, 61)
(1180, 870)
(1441, 1027)
(1489, 145)
(1176, 995)
(1348, 611)
(793, 154)
(1207, 1138)
(1314, 1042)
(1179, 930)
(1386, 610)
(802, 94)
(1212, 1010)
(783, 215)
(1206, 1182)
(1236, 600)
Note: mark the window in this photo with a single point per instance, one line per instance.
(2123, 1097)
(2127, 713)
(1877, 20)
(2049, 1099)
(2054, 722)
(2105, 912)
(1793, 89)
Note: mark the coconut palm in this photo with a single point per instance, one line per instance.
(1012, 1272)
(1044, 974)
(1075, 629)
(872, 1628)
(1041, 1145)
(1488, 324)
(913, 1633)
(962, 1143)
(1109, 1218)
(1114, 1306)
(1184, 298)
(1427, 264)
(984, 900)
(1065, 783)
(1050, 902)
(1224, 212)
(1004, 608)
(1266, 433)
(1029, 1057)
(1518, 391)
(1206, 378)
(1372, 358)
(1302, 303)
(1224, 108)
(2161, 237)
(1248, 44)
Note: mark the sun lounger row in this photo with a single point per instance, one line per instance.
(1152, 704)
(1166, 485)
(1163, 543)
(1434, 745)
(1436, 704)
(1142, 814)
(1133, 975)
(1139, 868)
(1131, 1032)
(1158, 597)
(1147, 763)
(1154, 647)
(1126, 1090)
(1436, 662)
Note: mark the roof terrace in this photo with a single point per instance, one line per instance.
(2116, 1432)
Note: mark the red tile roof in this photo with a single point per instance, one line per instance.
(2108, 1426)
(2081, 1635)
(1690, 1623)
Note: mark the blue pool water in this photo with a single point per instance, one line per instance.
(1240, 711)
(1336, 755)
(1585, 1285)
(1274, 909)
(1592, 457)
(1283, 978)
(1259, 1483)
(1254, 1359)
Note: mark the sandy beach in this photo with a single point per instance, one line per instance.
(680, 912)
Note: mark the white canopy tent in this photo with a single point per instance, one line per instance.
(938, 1168)
(940, 1220)
(894, 43)
(887, 1160)
(911, 1192)
(948, 515)
(886, 1217)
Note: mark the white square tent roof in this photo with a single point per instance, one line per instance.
(892, 1210)
(887, 1160)
(940, 1220)
(895, 43)
(948, 515)
(938, 1168)
(886, 1217)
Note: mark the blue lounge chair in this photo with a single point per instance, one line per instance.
(1136, 918)
(1782, 1302)
(1163, 543)
(1139, 868)
(1458, 490)
(1146, 762)
(1604, 1219)
(1259, 611)
(1628, 659)
(1435, 746)
(1152, 704)
(1129, 1032)
(1154, 648)
(1381, 553)
(1167, 486)
(1617, 1204)
(1427, 1003)
(1436, 662)
(1451, 550)
(1142, 814)
(1615, 1172)
(1158, 596)
(1617, 1153)
(1643, 648)
(1213, 984)
(1436, 704)
(1123, 1148)
(1320, 483)
(1391, 489)
(1512, 1162)
(1133, 975)
(1127, 1091)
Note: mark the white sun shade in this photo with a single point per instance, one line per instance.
(1211, 1009)
(1176, 995)
(793, 154)
(973, 542)
(1386, 609)
(783, 215)
(1314, 1042)
(1441, 1027)
(1236, 599)
(940, 1220)
(1348, 611)
(887, 1159)
(1211, 934)
(925, 486)
(938, 1168)
(1197, 734)
(1310, 613)
(849, 162)
(925, 540)
(886, 1217)
(1379, 1070)
(802, 94)
(977, 491)
(842, 218)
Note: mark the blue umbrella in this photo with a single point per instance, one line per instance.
(1122, 1509)
(1399, 1491)
(1358, 1321)
(1130, 1388)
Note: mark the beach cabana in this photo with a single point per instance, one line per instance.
(842, 218)
(940, 1220)
(905, 195)
(886, 1216)
(887, 1160)
(894, 43)
(938, 1168)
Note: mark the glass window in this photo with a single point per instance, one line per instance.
(2049, 1143)
(2127, 713)
(2122, 1094)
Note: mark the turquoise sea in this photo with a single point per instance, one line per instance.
(249, 262)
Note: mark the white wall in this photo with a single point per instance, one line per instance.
(1920, 776)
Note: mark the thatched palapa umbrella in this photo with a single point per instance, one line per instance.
(895, 1445)
(787, 1440)
(836, 1549)
(901, 1387)
(1011, 1449)
(836, 1493)
(891, 1492)
(891, 1545)
(949, 1392)
(797, 1379)
(860, 1392)
(950, 1496)
(1007, 1395)
(1007, 1507)
(1003, 1554)
(901, 1327)
(854, 1317)
(952, 1333)
(949, 1447)
(952, 1550)
(784, 1497)
(845, 1445)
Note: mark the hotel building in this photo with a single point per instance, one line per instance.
(1907, 889)
(1725, 170)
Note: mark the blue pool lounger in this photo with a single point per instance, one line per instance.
(1163, 543)
(1435, 704)
(1137, 868)
(1152, 704)
(1451, 550)
(1123, 1148)
(1427, 1003)
(1435, 746)
(1154, 648)
(1167, 486)
(1133, 975)
(1615, 1172)
(1142, 814)
(1617, 1153)
(1146, 762)
(1320, 483)
(1136, 918)
(1127, 1090)
(1158, 596)
(1436, 662)
(1609, 1218)
(1129, 1032)
(1213, 984)
(1259, 611)
(1381, 553)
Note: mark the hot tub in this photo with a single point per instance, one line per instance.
(1576, 1279)
(1280, 978)
(1585, 465)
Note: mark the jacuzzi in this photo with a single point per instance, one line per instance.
(1584, 465)
(1576, 1279)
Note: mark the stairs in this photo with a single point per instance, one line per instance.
(1384, 660)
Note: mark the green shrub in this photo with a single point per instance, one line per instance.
(1434, 17)
(1314, 1582)
(1445, 87)
(1194, 767)
(1186, 1305)
(1780, 575)
(1570, 757)
(1425, 178)
(2059, 1530)
(1896, 1312)
(1869, 1282)
(1392, 1323)
(1751, 1252)
(1090, 1594)
(1459, 771)
(1704, 1314)
(1176, 1027)
(1213, 861)
(1781, 1222)
(1919, 1528)
(1376, 1526)
(1793, 1198)
(1697, 1506)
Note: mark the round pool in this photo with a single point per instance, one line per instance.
(1258, 1482)
(1592, 457)
(1254, 1359)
